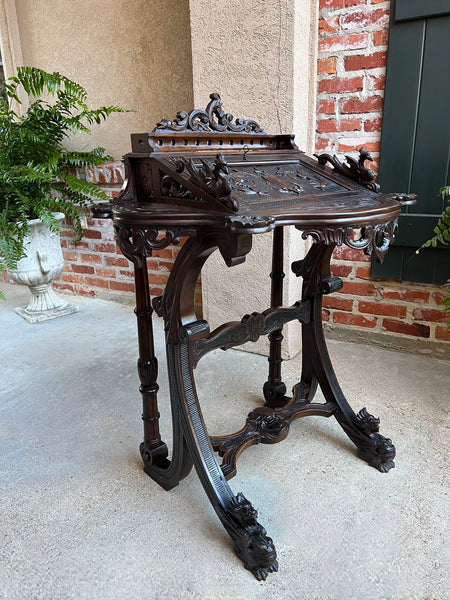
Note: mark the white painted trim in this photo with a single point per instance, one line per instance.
(10, 37)
(10, 42)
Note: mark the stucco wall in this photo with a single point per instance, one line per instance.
(133, 54)
(261, 57)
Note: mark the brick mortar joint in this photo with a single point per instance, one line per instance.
(345, 74)
(362, 96)
(112, 172)
(408, 319)
(330, 325)
(379, 299)
(327, 12)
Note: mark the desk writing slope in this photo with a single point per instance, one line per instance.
(217, 182)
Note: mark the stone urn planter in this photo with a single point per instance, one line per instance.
(42, 264)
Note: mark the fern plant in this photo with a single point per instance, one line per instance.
(442, 235)
(37, 173)
(442, 229)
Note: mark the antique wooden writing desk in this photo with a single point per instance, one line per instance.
(218, 182)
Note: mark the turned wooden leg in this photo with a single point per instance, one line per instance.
(274, 389)
(168, 473)
(362, 428)
(153, 450)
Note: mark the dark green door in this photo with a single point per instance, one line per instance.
(415, 140)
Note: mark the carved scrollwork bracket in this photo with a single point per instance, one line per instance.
(354, 169)
(170, 188)
(138, 242)
(329, 235)
(252, 223)
(212, 119)
(373, 239)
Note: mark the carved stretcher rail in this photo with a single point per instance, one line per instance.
(267, 425)
(249, 329)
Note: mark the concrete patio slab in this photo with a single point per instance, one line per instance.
(80, 519)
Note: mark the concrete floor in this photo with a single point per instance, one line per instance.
(80, 520)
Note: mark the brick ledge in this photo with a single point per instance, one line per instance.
(421, 346)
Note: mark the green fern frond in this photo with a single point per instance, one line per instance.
(442, 229)
(85, 189)
(36, 81)
(101, 114)
(49, 220)
(11, 242)
(442, 235)
(76, 160)
(35, 168)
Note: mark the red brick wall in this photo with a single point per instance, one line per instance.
(389, 311)
(353, 38)
(95, 266)
(351, 72)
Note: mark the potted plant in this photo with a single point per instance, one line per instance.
(442, 235)
(38, 181)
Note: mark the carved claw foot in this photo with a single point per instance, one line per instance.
(261, 574)
(250, 541)
(381, 454)
(374, 448)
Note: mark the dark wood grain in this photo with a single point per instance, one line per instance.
(218, 181)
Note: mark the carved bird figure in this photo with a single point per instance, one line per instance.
(358, 171)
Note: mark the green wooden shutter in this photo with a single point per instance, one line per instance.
(415, 140)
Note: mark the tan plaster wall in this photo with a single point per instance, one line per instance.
(134, 54)
(244, 51)
(249, 52)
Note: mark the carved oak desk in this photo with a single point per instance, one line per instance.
(218, 182)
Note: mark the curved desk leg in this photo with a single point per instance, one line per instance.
(362, 428)
(153, 450)
(168, 473)
(250, 541)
